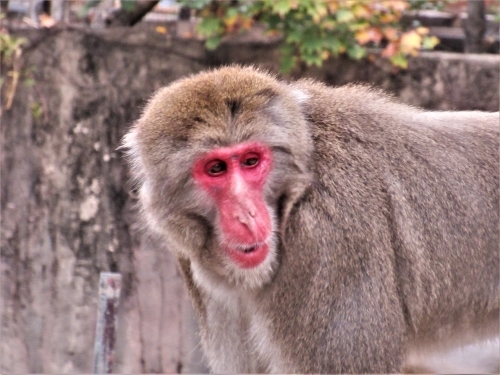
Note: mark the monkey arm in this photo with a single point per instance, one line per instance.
(351, 275)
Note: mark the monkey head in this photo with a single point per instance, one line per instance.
(219, 159)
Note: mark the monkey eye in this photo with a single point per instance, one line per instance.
(215, 167)
(251, 160)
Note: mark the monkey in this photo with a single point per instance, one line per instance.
(321, 229)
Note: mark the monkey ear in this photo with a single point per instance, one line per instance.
(130, 146)
(129, 141)
(299, 95)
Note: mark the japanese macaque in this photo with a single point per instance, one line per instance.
(322, 230)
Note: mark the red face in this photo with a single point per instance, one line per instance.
(234, 177)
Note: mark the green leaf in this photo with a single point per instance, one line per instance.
(127, 4)
(332, 44)
(19, 41)
(344, 15)
(356, 52)
(287, 63)
(312, 41)
(429, 42)
(288, 58)
(210, 26)
(287, 49)
(194, 4)
(358, 25)
(212, 42)
(312, 59)
(399, 60)
(281, 7)
(296, 35)
(273, 20)
(232, 12)
(36, 110)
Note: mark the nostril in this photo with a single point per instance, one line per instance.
(241, 219)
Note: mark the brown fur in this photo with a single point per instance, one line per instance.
(387, 216)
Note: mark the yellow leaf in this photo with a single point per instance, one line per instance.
(430, 42)
(230, 22)
(361, 11)
(237, 22)
(318, 12)
(422, 30)
(161, 29)
(410, 42)
(321, 9)
(362, 36)
(388, 18)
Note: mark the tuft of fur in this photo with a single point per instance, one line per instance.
(385, 215)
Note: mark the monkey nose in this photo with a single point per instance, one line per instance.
(245, 213)
(247, 219)
(242, 218)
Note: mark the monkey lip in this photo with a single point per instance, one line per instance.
(249, 256)
(249, 249)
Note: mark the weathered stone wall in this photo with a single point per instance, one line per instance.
(67, 210)
(434, 80)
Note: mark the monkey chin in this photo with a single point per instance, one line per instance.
(252, 269)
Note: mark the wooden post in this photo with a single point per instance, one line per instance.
(475, 26)
(109, 294)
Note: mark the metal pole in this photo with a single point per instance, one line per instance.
(109, 294)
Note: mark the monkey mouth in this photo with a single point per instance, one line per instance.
(249, 249)
(249, 256)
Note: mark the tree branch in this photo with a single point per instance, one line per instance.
(130, 13)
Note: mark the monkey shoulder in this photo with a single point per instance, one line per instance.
(347, 104)
(355, 122)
